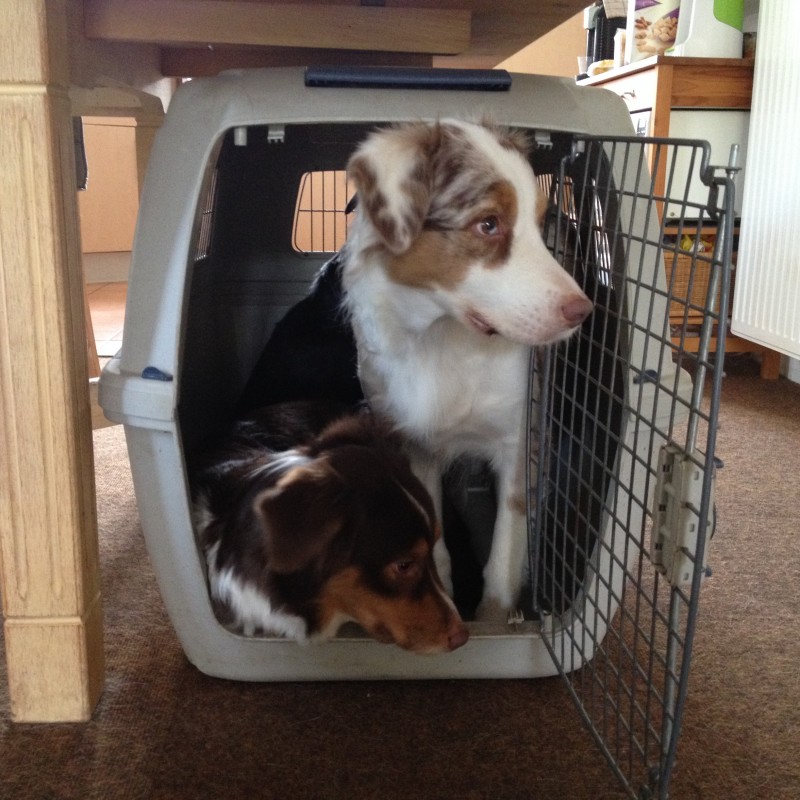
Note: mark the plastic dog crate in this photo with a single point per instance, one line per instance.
(622, 417)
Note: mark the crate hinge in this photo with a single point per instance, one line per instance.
(276, 134)
(676, 518)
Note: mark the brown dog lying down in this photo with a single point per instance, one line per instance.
(301, 539)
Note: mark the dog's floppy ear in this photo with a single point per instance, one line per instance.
(392, 174)
(301, 515)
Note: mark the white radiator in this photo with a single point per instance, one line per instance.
(766, 303)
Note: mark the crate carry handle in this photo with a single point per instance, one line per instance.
(482, 80)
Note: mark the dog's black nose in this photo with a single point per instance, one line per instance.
(576, 309)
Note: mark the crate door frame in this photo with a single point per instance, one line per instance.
(617, 621)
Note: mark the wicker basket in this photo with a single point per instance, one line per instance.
(689, 276)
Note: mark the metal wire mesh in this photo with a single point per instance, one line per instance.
(623, 428)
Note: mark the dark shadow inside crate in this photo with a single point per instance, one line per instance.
(586, 388)
(248, 272)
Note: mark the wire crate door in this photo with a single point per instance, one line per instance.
(622, 436)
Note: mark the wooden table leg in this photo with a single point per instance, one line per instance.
(48, 526)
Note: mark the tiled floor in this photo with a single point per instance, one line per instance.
(107, 309)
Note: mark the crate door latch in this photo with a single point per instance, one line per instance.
(676, 521)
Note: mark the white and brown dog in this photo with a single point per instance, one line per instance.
(448, 283)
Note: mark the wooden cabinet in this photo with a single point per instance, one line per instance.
(653, 90)
(110, 203)
(663, 83)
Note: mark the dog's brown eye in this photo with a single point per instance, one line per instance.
(489, 226)
(404, 571)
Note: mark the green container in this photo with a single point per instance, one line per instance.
(709, 28)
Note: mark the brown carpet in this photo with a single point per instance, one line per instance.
(163, 730)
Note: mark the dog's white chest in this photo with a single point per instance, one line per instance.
(451, 390)
(251, 608)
